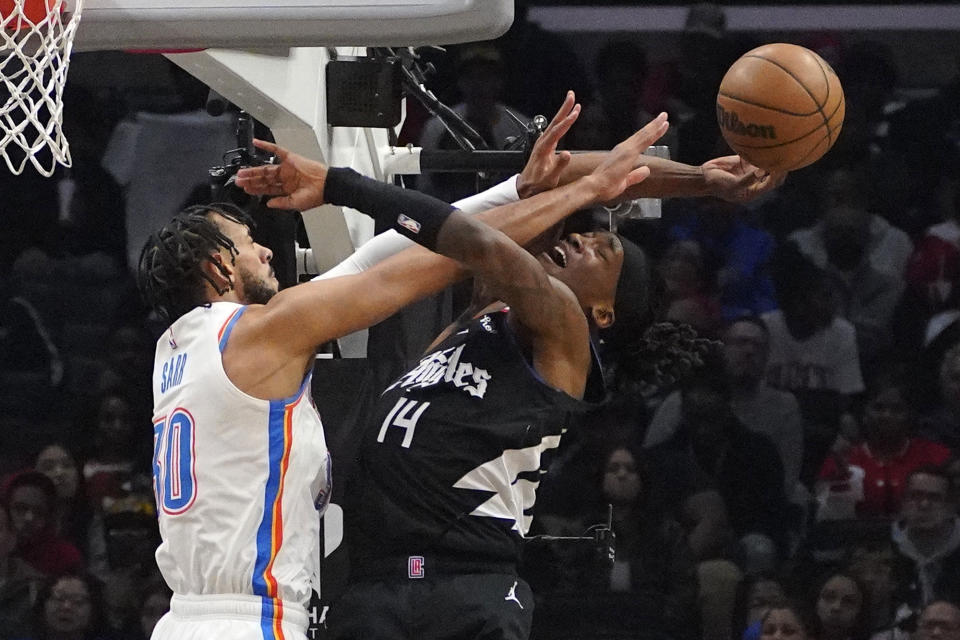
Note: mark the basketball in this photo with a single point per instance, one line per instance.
(24, 14)
(780, 106)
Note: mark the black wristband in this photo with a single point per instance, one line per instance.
(415, 215)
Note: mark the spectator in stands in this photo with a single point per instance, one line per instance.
(811, 349)
(70, 607)
(886, 248)
(129, 362)
(480, 75)
(940, 620)
(31, 366)
(876, 470)
(73, 514)
(116, 469)
(755, 596)
(864, 258)
(813, 353)
(735, 253)
(871, 564)
(154, 603)
(544, 66)
(786, 621)
(927, 540)
(933, 271)
(687, 296)
(841, 609)
(712, 450)
(761, 408)
(19, 583)
(616, 111)
(31, 499)
(707, 51)
(942, 423)
(652, 584)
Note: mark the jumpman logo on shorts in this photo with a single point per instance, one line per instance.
(512, 595)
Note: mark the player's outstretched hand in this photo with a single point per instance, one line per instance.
(295, 181)
(617, 171)
(734, 179)
(543, 169)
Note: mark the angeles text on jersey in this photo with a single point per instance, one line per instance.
(445, 366)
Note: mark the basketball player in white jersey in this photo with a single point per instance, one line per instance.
(240, 463)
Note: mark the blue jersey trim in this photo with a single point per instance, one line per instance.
(226, 331)
(266, 619)
(265, 530)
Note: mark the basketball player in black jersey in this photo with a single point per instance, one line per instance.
(452, 460)
(450, 463)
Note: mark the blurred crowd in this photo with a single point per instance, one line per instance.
(804, 477)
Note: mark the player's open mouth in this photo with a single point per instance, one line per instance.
(557, 255)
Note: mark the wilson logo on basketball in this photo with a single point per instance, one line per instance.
(730, 121)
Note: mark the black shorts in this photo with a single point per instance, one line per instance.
(491, 606)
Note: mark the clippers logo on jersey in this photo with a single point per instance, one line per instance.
(445, 367)
(408, 223)
(415, 567)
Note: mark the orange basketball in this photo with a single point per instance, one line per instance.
(15, 16)
(780, 106)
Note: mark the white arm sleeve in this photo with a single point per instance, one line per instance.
(388, 243)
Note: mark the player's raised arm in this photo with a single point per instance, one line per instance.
(729, 177)
(541, 173)
(313, 313)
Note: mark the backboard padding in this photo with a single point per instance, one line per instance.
(251, 24)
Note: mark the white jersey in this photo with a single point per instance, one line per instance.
(239, 481)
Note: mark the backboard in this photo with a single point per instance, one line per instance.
(246, 24)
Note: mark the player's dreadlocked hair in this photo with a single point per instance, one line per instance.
(169, 275)
(649, 356)
(664, 355)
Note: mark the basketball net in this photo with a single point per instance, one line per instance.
(36, 37)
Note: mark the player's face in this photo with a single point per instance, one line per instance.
(589, 264)
(253, 277)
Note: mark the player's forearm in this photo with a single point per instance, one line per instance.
(521, 221)
(526, 219)
(389, 243)
(668, 179)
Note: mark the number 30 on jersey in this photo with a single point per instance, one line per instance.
(174, 462)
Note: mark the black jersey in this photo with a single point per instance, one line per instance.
(455, 450)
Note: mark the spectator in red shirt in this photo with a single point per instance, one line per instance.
(31, 499)
(873, 473)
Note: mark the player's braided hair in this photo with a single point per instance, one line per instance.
(648, 355)
(170, 275)
(663, 355)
